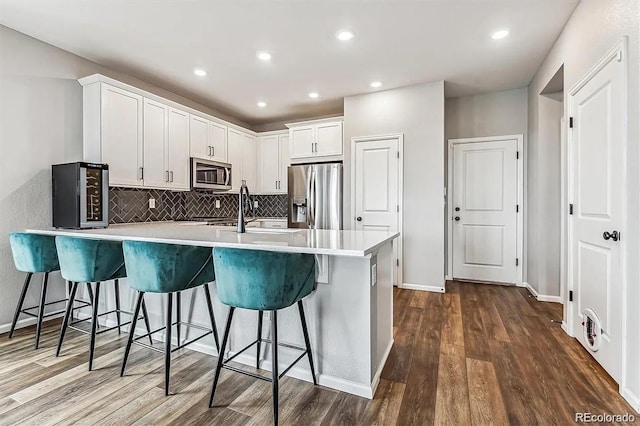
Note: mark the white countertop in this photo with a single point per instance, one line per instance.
(333, 243)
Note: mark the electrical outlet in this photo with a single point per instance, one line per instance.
(255, 204)
(217, 204)
(152, 203)
(374, 274)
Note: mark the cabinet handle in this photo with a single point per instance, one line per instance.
(171, 176)
(140, 173)
(166, 177)
(213, 151)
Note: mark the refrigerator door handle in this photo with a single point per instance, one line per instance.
(312, 200)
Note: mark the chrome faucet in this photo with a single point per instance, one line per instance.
(244, 201)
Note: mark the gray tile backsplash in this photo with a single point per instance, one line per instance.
(127, 205)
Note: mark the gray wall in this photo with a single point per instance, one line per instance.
(40, 124)
(418, 113)
(594, 28)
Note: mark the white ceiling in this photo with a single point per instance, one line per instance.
(397, 42)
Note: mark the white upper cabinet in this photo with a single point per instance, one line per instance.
(208, 139)
(155, 174)
(273, 160)
(249, 161)
(178, 150)
(113, 132)
(313, 139)
(235, 140)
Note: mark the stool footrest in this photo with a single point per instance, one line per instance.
(180, 346)
(26, 310)
(257, 376)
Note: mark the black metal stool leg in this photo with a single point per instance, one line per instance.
(178, 315)
(90, 293)
(306, 341)
(259, 339)
(167, 345)
(117, 293)
(94, 324)
(43, 300)
(25, 287)
(132, 330)
(214, 327)
(67, 316)
(145, 314)
(274, 364)
(225, 339)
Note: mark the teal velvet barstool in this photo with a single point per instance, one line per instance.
(34, 254)
(84, 260)
(263, 281)
(168, 269)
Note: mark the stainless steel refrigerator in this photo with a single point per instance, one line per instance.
(314, 198)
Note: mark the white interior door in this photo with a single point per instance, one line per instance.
(597, 186)
(484, 211)
(376, 186)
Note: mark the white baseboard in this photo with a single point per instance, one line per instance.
(447, 278)
(421, 287)
(26, 322)
(376, 377)
(541, 297)
(631, 398)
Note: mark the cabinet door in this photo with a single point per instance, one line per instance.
(235, 141)
(249, 161)
(178, 149)
(329, 139)
(198, 141)
(302, 139)
(269, 164)
(122, 135)
(218, 141)
(156, 171)
(285, 162)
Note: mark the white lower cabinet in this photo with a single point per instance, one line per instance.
(273, 160)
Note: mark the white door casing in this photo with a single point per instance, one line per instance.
(597, 184)
(485, 185)
(376, 188)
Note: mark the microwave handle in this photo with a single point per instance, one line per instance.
(227, 176)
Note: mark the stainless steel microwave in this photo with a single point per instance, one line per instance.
(207, 174)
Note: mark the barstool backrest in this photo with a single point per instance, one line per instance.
(262, 280)
(87, 260)
(34, 253)
(167, 268)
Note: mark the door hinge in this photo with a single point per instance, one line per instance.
(570, 208)
(517, 155)
(571, 296)
(398, 154)
(398, 208)
(397, 262)
(517, 208)
(517, 261)
(571, 122)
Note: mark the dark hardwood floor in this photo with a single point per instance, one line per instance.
(478, 355)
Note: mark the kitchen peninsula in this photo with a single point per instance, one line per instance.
(349, 315)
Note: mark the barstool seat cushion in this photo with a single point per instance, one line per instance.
(34, 253)
(88, 260)
(167, 268)
(262, 280)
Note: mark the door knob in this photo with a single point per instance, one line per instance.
(457, 209)
(457, 218)
(615, 235)
(359, 219)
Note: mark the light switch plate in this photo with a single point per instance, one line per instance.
(374, 274)
(217, 204)
(255, 204)
(152, 203)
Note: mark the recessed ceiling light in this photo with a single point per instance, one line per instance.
(313, 95)
(375, 84)
(264, 56)
(500, 34)
(199, 72)
(344, 35)
(262, 104)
